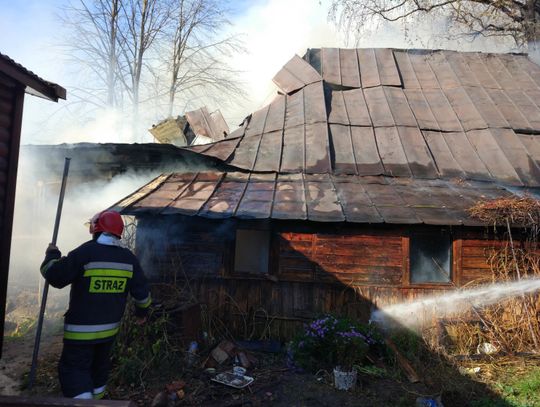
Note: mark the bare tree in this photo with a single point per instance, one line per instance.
(94, 46)
(151, 52)
(518, 19)
(144, 21)
(198, 52)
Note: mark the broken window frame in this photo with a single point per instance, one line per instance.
(429, 235)
(246, 273)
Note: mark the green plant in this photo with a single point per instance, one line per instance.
(23, 328)
(329, 342)
(408, 342)
(144, 352)
(515, 390)
(372, 371)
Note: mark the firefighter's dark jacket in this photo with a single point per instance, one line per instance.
(101, 276)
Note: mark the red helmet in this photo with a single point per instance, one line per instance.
(107, 221)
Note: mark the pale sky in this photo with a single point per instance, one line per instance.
(274, 30)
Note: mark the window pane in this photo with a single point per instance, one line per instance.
(251, 253)
(430, 258)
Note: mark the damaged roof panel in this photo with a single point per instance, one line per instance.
(421, 109)
(331, 70)
(366, 152)
(321, 198)
(408, 75)
(463, 71)
(317, 149)
(418, 155)
(350, 72)
(369, 72)
(296, 74)
(465, 110)
(446, 162)
(206, 124)
(269, 154)
(222, 150)
(388, 71)
(322, 201)
(416, 113)
(293, 156)
(357, 110)
(344, 160)
(314, 104)
(444, 73)
(276, 115)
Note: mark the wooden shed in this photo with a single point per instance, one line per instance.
(15, 81)
(350, 190)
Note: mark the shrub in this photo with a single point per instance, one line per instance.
(329, 342)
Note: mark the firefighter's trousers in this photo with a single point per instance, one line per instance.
(83, 369)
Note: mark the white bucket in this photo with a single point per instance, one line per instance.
(344, 380)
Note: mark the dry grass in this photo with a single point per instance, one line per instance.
(512, 325)
(518, 211)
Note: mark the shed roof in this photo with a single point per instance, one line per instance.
(420, 114)
(321, 198)
(371, 136)
(33, 83)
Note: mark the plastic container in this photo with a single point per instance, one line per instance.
(191, 356)
(344, 380)
(428, 402)
(239, 371)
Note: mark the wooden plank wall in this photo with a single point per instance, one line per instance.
(475, 260)
(11, 106)
(347, 273)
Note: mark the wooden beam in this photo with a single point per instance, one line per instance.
(18, 401)
(403, 362)
(9, 203)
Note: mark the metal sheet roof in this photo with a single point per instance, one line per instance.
(421, 114)
(321, 198)
(371, 136)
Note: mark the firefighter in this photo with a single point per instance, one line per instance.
(101, 273)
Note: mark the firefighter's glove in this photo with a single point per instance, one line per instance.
(52, 252)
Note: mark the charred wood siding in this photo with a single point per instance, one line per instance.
(11, 105)
(475, 265)
(311, 273)
(349, 259)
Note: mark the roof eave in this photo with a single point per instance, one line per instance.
(34, 86)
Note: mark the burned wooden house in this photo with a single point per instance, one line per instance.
(350, 190)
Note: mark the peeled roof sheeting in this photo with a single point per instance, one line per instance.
(296, 74)
(321, 198)
(421, 114)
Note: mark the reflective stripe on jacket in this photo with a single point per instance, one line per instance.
(101, 277)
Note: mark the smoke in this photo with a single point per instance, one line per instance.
(274, 30)
(181, 244)
(35, 210)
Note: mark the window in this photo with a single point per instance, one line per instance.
(430, 257)
(252, 251)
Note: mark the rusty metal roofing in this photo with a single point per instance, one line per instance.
(183, 130)
(419, 114)
(33, 83)
(204, 123)
(321, 198)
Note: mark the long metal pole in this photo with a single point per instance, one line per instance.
(32, 376)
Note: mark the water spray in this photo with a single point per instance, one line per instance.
(413, 314)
